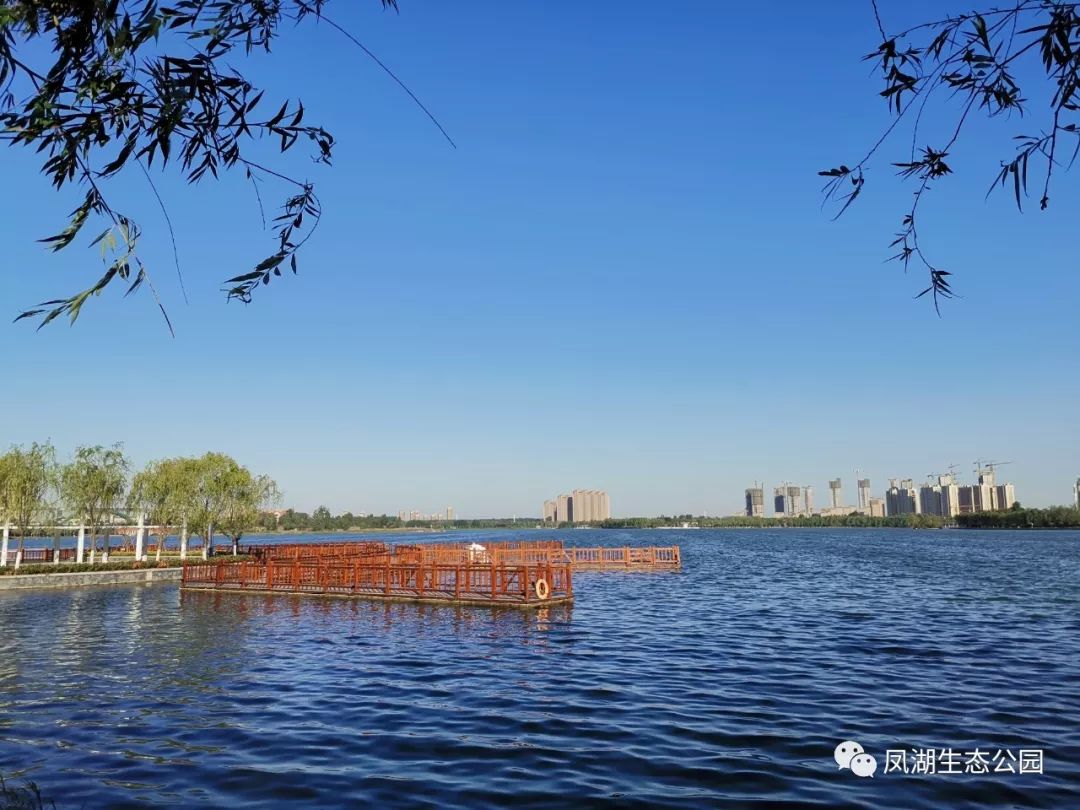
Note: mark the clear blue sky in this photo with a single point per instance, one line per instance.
(621, 279)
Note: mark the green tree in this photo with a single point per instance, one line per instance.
(100, 86)
(227, 497)
(26, 476)
(93, 485)
(247, 496)
(954, 70)
(321, 519)
(164, 491)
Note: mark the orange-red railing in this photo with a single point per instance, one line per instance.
(613, 558)
(489, 583)
(296, 551)
(515, 552)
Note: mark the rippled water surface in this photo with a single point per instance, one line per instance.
(725, 685)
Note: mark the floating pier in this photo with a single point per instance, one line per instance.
(523, 574)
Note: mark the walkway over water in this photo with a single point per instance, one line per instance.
(520, 552)
(523, 573)
(523, 586)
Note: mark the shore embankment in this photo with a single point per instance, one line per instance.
(81, 578)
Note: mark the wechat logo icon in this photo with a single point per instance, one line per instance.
(849, 754)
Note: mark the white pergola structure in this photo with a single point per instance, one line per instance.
(139, 530)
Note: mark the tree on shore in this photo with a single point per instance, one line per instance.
(26, 475)
(93, 485)
(164, 491)
(960, 68)
(249, 495)
(227, 498)
(98, 87)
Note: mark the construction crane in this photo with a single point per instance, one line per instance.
(989, 465)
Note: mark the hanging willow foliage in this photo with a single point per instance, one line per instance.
(139, 83)
(975, 60)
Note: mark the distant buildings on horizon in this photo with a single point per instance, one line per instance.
(945, 497)
(406, 515)
(580, 506)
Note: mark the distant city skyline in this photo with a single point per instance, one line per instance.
(943, 494)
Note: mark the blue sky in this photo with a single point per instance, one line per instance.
(621, 279)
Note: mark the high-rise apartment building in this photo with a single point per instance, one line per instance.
(836, 496)
(755, 501)
(795, 499)
(789, 501)
(564, 509)
(901, 498)
(1004, 496)
(864, 494)
(930, 499)
(779, 504)
(580, 506)
(584, 505)
(551, 514)
(1077, 493)
(941, 498)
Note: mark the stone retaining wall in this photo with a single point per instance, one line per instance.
(80, 578)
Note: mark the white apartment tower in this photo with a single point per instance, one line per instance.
(580, 506)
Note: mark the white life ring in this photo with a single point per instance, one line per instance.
(543, 591)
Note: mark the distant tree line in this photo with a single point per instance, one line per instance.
(1054, 517)
(742, 521)
(322, 520)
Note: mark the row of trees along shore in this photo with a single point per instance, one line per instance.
(322, 520)
(1053, 517)
(191, 496)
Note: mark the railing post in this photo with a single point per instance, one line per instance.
(56, 546)
(269, 573)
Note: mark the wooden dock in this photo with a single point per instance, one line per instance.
(517, 573)
(491, 585)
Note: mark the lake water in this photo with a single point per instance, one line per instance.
(726, 685)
